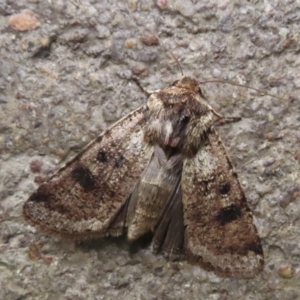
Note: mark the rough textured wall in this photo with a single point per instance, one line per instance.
(69, 77)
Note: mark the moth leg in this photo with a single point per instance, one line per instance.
(227, 120)
(138, 83)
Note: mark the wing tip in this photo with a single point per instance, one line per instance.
(232, 265)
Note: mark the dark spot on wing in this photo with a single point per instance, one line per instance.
(102, 156)
(225, 188)
(44, 193)
(119, 162)
(99, 138)
(256, 247)
(234, 174)
(84, 177)
(228, 214)
(111, 194)
(39, 196)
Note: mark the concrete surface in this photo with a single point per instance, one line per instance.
(65, 81)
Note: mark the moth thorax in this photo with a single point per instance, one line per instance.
(169, 132)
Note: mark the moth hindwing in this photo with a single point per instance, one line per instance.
(161, 169)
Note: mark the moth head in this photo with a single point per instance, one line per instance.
(189, 83)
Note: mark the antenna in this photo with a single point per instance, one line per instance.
(205, 81)
(168, 51)
(241, 85)
(173, 56)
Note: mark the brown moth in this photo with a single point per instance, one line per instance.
(161, 169)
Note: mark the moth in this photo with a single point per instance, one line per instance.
(161, 169)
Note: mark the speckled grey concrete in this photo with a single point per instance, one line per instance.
(53, 100)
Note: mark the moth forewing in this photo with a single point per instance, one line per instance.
(220, 232)
(83, 198)
(160, 169)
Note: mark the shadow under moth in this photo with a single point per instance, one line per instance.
(161, 169)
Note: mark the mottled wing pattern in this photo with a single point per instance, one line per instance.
(219, 232)
(85, 196)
